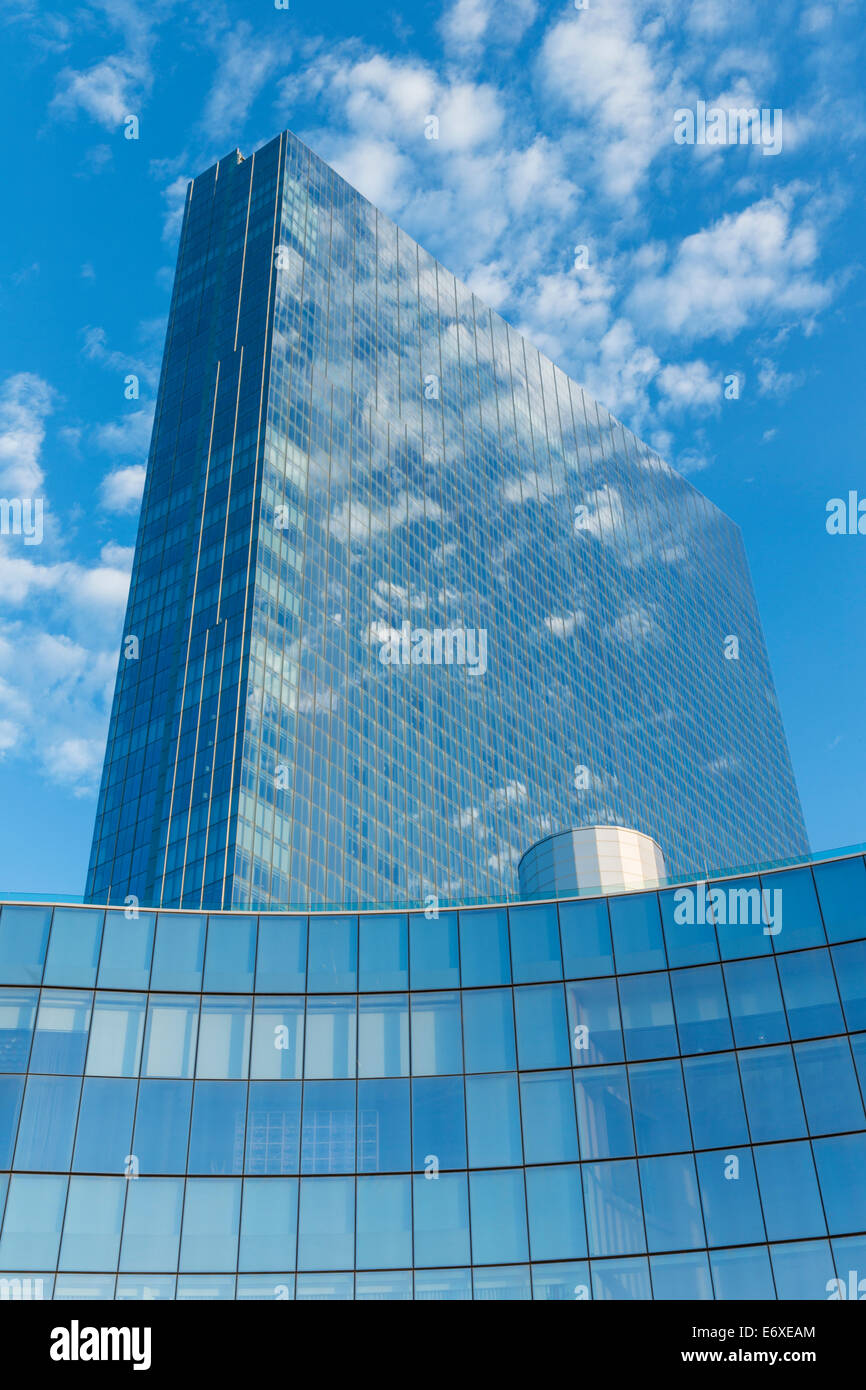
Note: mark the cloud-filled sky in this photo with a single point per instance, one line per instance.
(652, 271)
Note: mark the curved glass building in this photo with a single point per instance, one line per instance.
(645, 1095)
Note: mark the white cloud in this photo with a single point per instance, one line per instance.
(245, 64)
(121, 490)
(689, 386)
(565, 624)
(128, 435)
(25, 401)
(108, 92)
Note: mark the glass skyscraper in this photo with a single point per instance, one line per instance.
(405, 599)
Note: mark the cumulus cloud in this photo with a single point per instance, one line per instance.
(25, 402)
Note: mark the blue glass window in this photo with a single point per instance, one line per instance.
(331, 1288)
(850, 963)
(326, 1238)
(437, 1046)
(658, 1103)
(328, 1135)
(842, 891)
(104, 1137)
(91, 1229)
(393, 1285)
(331, 1038)
(493, 1120)
(789, 1191)
(127, 947)
(741, 916)
(772, 1094)
(535, 951)
(150, 1286)
(800, 917)
(547, 1107)
(151, 1224)
(434, 952)
(116, 1033)
(211, 1218)
(438, 1122)
(224, 1038)
(829, 1085)
(161, 1125)
(603, 1113)
(841, 1163)
(743, 1274)
(488, 1030)
(47, 1126)
(803, 1269)
(383, 953)
(555, 1205)
(647, 1017)
(269, 1223)
(281, 962)
(451, 1285)
(73, 952)
(755, 1002)
(62, 1024)
(688, 942)
(384, 1129)
(585, 932)
(508, 1283)
(637, 932)
(333, 954)
(273, 1127)
(701, 1009)
(809, 991)
(384, 1223)
(672, 1207)
(593, 1022)
(622, 1280)
(230, 958)
(441, 1220)
(170, 1036)
(23, 942)
(383, 1035)
(542, 1029)
(560, 1283)
(17, 1016)
(498, 1205)
(729, 1195)
(216, 1142)
(278, 1038)
(31, 1226)
(681, 1276)
(613, 1208)
(11, 1091)
(178, 954)
(715, 1100)
(484, 953)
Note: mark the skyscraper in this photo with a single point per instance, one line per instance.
(405, 599)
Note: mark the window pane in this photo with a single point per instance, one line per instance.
(809, 991)
(802, 1270)
(383, 953)
(17, 1016)
(755, 1002)
(230, 959)
(488, 1030)
(701, 1009)
(841, 1163)
(658, 1104)
(585, 933)
(436, 1034)
(269, 1224)
(47, 1126)
(31, 1226)
(273, 1127)
(850, 963)
(789, 1191)
(613, 1208)
(62, 1024)
(801, 916)
(681, 1276)
(593, 1021)
(688, 942)
(384, 1223)
(103, 1141)
(742, 1274)
(91, 1230)
(224, 1038)
(73, 953)
(216, 1143)
(555, 1204)
(740, 915)
(842, 891)
(438, 1123)
(151, 1225)
(383, 1035)
(211, 1216)
(603, 1113)
(637, 932)
(441, 1220)
(560, 1282)
(116, 1034)
(179, 951)
(547, 1108)
(333, 958)
(435, 956)
(715, 1100)
(170, 1036)
(11, 1093)
(161, 1125)
(23, 942)
(729, 1195)
(328, 1138)
(772, 1094)
(281, 963)
(498, 1206)
(671, 1205)
(327, 1223)
(278, 1038)
(453, 1285)
(829, 1084)
(331, 1038)
(127, 946)
(535, 943)
(542, 1029)
(391, 1286)
(647, 1017)
(484, 953)
(383, 1127)
(493, 1120)
(621, 1279)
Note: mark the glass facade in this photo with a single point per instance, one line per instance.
(652, 1095)
(405, 599)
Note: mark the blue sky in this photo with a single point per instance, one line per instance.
(556, 130)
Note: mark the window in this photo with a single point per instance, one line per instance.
(269, 1225)
(31, 1226)
(273, 1127)
(756, 1003)
(230, 960)
(331, 1037)
(278, 1038)
(73, 951)
(23, 942)
(436, 1034)
(383, 1035)
(498, 1205)
(493, 1120)
(62, 1024)
(328, 1138)
(103, 1142)
(326, 1236)
(484, 952)
(535, 952)
(593, 1021)
(842, 891)
(829, 1085)
(555, 1205)
(658, 1103)
(170, 1036)
(116, 1034)
(333, 954)
(809, 991)
(91, 1229)
(211, 1218)
(384, 1222)
(441, 1222)
(542, 1030)
(789, 1191)
(434, 952)
(547, 1107)
(17, 1015)
(729, 1196)
(151, 1225)
(637, 932)
(672, 1209)
(585, 933)
(216, 1143)
(179, 952)
(772, 1094)
(161, 1124)
(127, 946)
(613, 1208)
(701, 1009)
(281, 963)
(383, 953)
(647, 1017)
(488, 1030)
(47, 1125)
(224, 1038)
(438, 1123)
